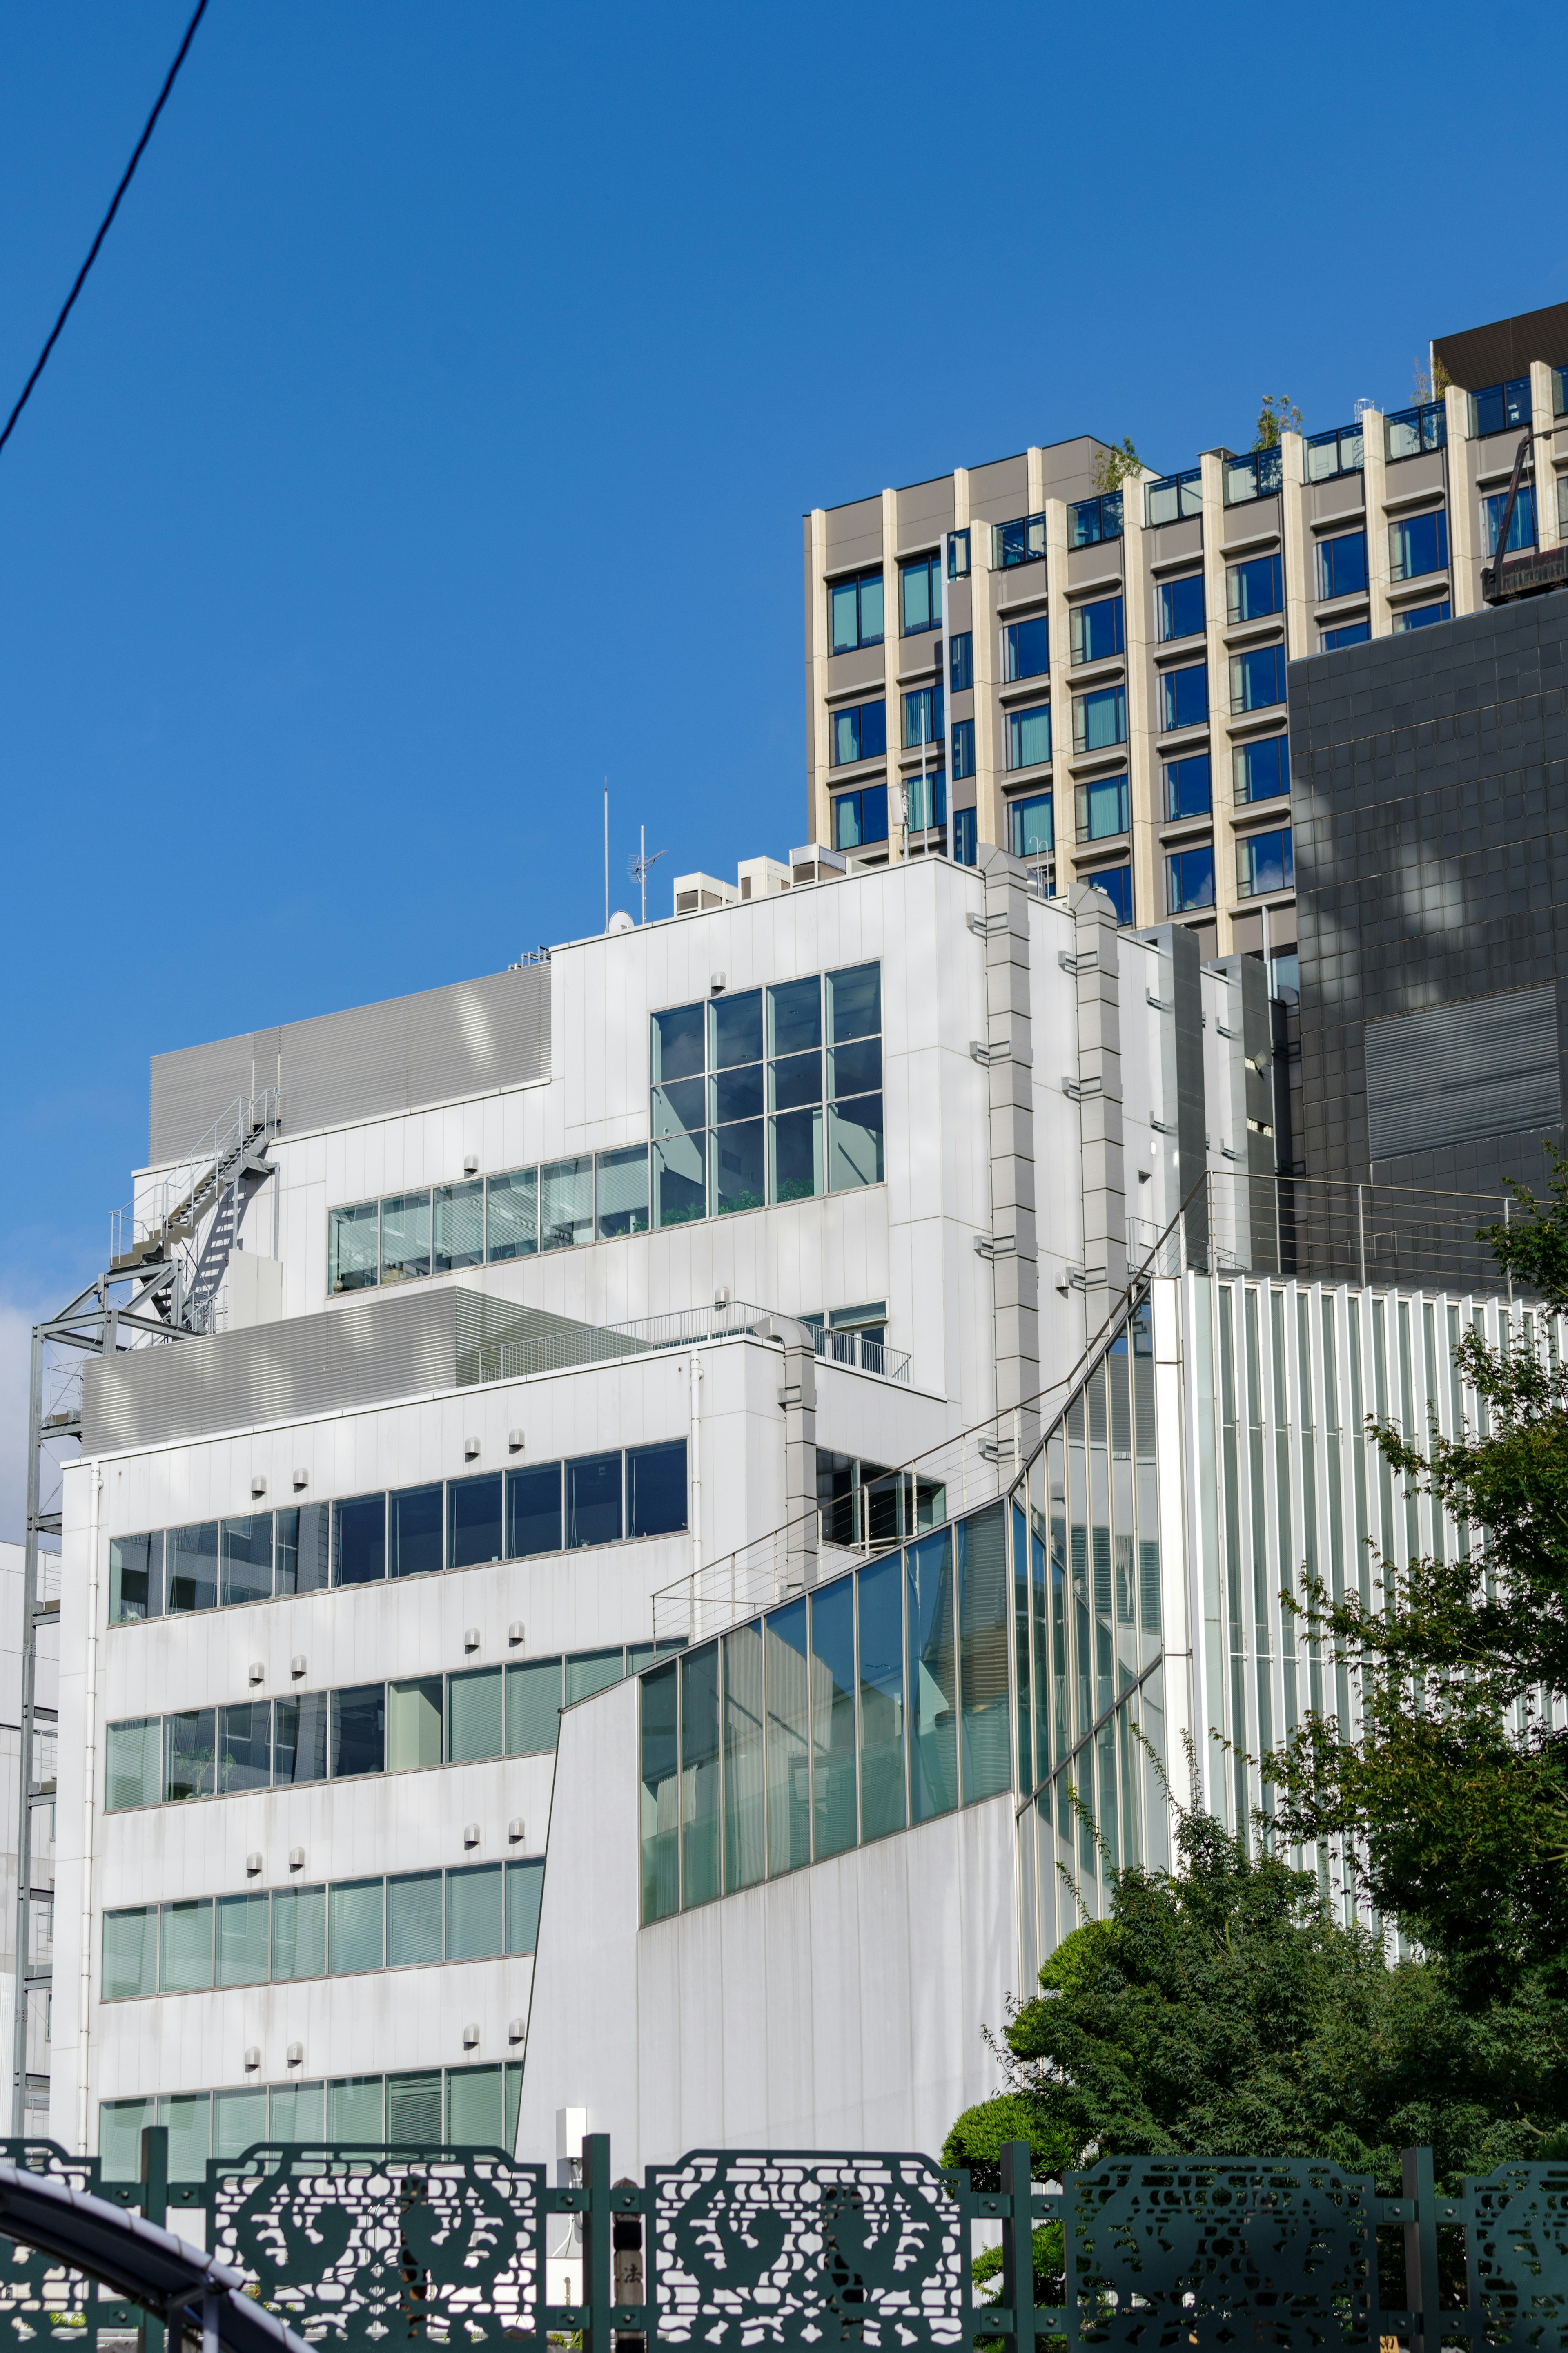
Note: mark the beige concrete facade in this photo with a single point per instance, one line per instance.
(1224, 513)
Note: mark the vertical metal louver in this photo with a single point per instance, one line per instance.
(1487, 1066)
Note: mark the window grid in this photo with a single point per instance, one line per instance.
(462, 2108)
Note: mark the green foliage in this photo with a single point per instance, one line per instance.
(1453, 1789)
(1221, 2010)
(1113, 467)
(1278, 415)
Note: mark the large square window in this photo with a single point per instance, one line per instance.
(1418, 545)
(1501, 407)
(1254, 588)
(460, 1225)
(855, 608)
(1184, 697)
(1520, 530)
(1098, 630)
(1099, 719)
(620, 1192)
(511, 1215)
(1102, 808)
(1116, 882)
(566, 1203)
(859, 732)
(1029, 736)
(1341, 565)
(354, 1247)
(923, 719)
(474, 1533)
(359, 1540)
(920, 590)
(1182, 607)
(1187, 787)
(1264, 864)
(593, 1500)
(416, 1546)
(1026, 648)
(405, 1237)
(1189, 879)
(358, 1738)
(1032, 827)
(861, 817)
(1257, 679)
(533, 1510)
(1263, 768)
(656, 1489)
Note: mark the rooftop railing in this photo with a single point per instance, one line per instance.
(1094, 520)
(1409, 432)
(1175, 498)
(1501, 407)
(1022, 541)
(1257, 476)
(589, 1344)
(1329, 455)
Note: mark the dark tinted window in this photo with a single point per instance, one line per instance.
(474, 1521)
(593, 1500)
(359, 1540)
(359, 1730)
(300, 1739)
(414, 1530)
(656, 1489)
(534, 1510)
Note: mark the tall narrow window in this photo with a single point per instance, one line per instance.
(882, 1641)
(834, 1822)
(745, 1845)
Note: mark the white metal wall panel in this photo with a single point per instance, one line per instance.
(443, 1043)
(1488, 1066)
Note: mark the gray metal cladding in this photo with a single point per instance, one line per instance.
(387, 1345)
(444, 1043)
(1486, 1066)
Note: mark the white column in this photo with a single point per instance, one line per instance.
(1375, 478)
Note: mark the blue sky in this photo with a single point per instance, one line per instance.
(433, 435)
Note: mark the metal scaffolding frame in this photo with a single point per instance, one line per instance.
(168, 1254)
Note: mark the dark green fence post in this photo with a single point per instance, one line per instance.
(153, 2334)
(1019, 2243)
(598, 2252)
(1418, 2181)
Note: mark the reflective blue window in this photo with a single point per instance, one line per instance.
(1093, 519)
(1175, 499)
(1254, 588)
(1116, 882)
(860, 816)
(920, 592)
(1026, 648)
(1520, 530)
(961, 661)
(964, 844)
(963, 748)
(1342, 565)
(1189, 879)
(1102, 808)
(1032, 827)
(1257, 679)
(1098, 633)
(856, 611)
(1421, 617)
(858, 733)
(1410, 431)
(1418, 545)
(1355, 633)
(1501, 407)
(1262, 769)
(1182, 607)
(1264, 862)
(958, 554)
(1185, 696)
(1099, 719)
(1029, 736)
(1188, 791)
(923, 719)
(1022, 542)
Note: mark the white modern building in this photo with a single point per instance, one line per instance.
(548, 1318)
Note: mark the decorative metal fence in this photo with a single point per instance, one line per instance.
(368, 2248)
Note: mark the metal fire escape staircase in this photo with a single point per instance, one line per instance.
(168, 1251)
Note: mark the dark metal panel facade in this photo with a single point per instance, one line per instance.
(1486, 1067)
(437, 1046)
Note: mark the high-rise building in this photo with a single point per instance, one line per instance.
(1096, 680)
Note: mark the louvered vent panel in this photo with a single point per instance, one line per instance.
(1486, 1067)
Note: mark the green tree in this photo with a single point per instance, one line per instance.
(1451, 1792)
(1113, 467)
(1220, 2010)
(1277, 415)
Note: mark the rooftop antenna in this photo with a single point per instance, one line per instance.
(641, 866)
(606, 853)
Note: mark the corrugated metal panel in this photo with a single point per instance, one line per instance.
(364, 1063)
(1488, 1066)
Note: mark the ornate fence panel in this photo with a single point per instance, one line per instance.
(364, 2250)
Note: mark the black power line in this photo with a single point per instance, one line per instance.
(103, 232)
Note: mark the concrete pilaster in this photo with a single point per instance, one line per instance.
(1098, 980)
(1008, 1047)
